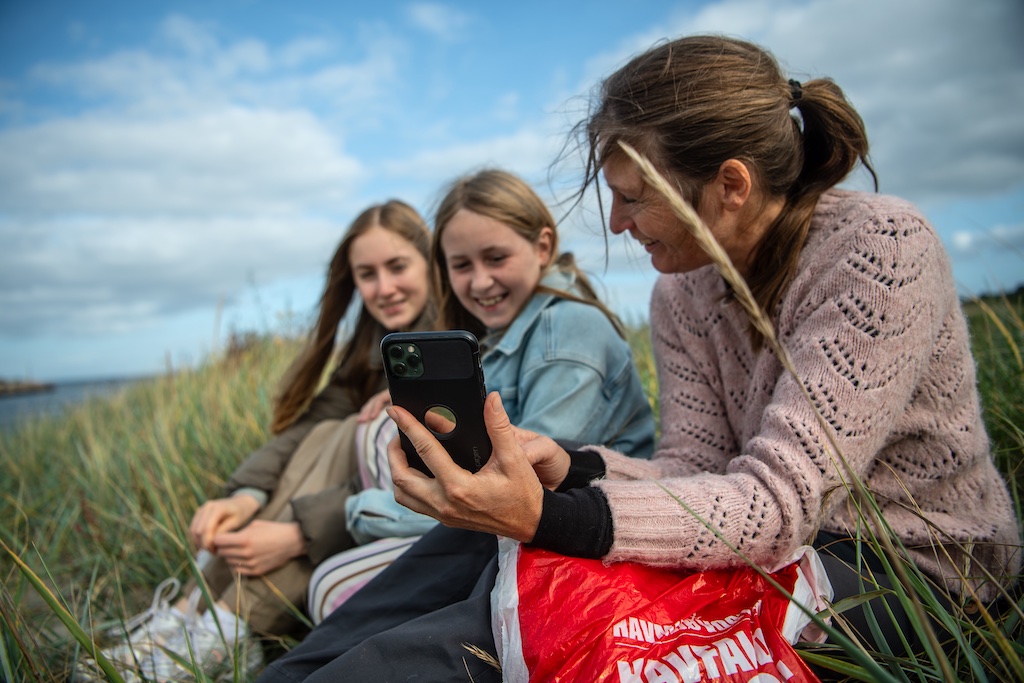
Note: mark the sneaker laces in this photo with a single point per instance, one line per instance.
(162, 596)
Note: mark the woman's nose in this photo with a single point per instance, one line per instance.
(618, 220)
(481, 280)
(385, 285)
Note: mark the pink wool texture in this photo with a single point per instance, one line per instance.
(874, 326)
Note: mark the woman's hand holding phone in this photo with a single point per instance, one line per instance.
(504, 497)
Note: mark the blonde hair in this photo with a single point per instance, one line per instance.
(506, 198)
(354, 371)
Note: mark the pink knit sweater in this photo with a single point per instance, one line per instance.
(874, 327)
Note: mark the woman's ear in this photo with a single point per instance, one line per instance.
(543, 245)
(734, 184)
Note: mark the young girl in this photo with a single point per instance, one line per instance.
(283, 509)
(549, 347)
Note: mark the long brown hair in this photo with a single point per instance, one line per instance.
(508, 199)
(355, 372)
(692, 103)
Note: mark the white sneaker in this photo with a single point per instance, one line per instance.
(164, 645)
(201, 645)
(141, 634)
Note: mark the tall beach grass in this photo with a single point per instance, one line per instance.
(95, 502)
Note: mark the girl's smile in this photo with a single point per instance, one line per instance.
(493, 270)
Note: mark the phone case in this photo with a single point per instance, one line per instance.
(437, 377)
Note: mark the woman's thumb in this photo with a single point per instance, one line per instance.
(499, 427)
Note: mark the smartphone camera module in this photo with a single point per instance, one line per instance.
(405, 360)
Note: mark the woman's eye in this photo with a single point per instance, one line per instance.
(498, 258)
(625, 199)
(458, 267)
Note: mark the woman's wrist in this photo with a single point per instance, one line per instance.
(298, 544)
(577, 523)
(584, 467)
(257, 495)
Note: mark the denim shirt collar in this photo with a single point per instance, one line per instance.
(512, 336)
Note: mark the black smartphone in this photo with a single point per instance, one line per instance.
(437, 377)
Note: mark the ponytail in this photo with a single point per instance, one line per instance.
(832, 141)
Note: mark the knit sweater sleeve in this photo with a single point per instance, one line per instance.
(744, 461)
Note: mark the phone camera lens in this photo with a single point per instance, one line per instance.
(395, 351)
(400, 368)
(413, 361)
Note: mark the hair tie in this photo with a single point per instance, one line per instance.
(796, 91)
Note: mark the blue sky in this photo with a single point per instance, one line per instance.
(173, 171)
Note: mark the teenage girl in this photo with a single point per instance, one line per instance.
(283, 509)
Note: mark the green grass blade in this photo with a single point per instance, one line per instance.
(65, 617)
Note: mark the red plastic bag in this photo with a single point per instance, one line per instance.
(558, 618)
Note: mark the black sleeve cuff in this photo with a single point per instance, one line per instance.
(577, 523)
(585, 467)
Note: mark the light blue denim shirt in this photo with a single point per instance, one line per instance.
(563, 371)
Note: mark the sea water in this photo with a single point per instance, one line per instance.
(63, 395)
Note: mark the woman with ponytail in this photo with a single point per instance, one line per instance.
(859, 291)
(753, 461)
(284, 508)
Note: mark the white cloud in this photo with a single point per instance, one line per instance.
(189, 35)
(525, 152)
(303, 50)
(106, 274)
(999, 238)
(938, 82)
(442, 21)
(222, 160)
(201, 73)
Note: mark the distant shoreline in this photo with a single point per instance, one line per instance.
(18, 388)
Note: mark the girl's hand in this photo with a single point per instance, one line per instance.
(505, 497)
(549, 460)
(217, 516)
(372, 408)
(260, 547)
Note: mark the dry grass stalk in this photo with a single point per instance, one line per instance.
(482, 655)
